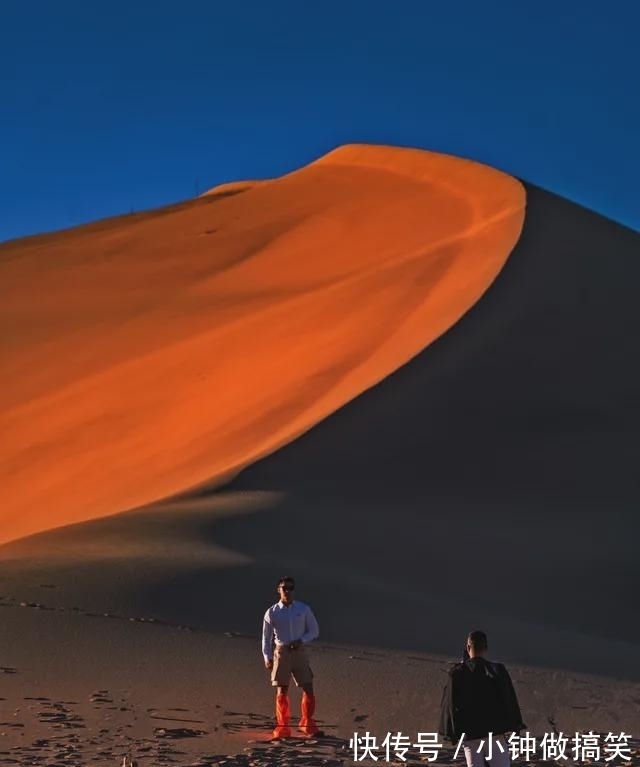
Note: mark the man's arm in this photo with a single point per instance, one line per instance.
(445, 727)
(311, 628)
(513, 713)
(449, 726)
(267, 639)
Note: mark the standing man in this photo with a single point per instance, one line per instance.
(479, 699)
(288, 626)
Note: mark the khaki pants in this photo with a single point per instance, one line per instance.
(288, 663)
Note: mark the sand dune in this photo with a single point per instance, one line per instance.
(490, 482)
(233, 187)
(493, 479)
(504, 454)
(147, 354)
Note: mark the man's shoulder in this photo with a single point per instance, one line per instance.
(457, 668)
(481, 665)
(297, 606)
(487, 668)
(270, 610)
(501, 670)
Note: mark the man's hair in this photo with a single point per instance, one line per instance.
(285, 579)
(478, 640)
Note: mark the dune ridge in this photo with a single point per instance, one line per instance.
(147, 356)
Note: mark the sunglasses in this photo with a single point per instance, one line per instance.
(288, 587)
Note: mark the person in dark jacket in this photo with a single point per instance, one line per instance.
(479, 699)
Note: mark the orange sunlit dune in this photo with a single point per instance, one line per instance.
(146, 354)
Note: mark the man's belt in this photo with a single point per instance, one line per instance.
(291, 645)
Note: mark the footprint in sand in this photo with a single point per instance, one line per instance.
(100, 696)
(169, 715)
(177, 732)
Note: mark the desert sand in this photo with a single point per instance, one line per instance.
(488, 483)
(109, 687)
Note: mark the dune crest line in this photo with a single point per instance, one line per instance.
(148, 354)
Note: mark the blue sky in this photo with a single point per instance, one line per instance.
(109, 106)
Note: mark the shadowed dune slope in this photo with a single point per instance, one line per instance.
(146, 354)
(490, 482)
(493, 480)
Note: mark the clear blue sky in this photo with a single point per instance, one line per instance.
(108, 106)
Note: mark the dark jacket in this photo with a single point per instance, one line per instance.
(478, 699)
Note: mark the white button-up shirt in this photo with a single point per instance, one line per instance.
(284, 624)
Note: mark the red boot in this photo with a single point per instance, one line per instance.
(308, 707)
(283, 716)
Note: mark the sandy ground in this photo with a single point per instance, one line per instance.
(138, 635)
(81, 688)
(489, 483)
